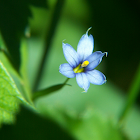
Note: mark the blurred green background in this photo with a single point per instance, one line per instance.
(69, 113)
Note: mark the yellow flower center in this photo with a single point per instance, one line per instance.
(80, 67)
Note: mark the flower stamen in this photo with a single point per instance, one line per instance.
(85, 63)
(78, 69)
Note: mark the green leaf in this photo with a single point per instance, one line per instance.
(14, 18)
(48, 90)
(10, 97)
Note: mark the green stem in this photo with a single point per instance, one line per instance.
(53, 25)
(132, 95)
(66, 81)
(49, 90)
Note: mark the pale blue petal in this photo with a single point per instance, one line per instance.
(94, 60)
(85, 46)
(70, 55)
(82, 81)
(96, 77)
(67, 70)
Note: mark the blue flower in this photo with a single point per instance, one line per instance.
(81, 64)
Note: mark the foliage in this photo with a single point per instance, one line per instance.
(10, 97)
(34, 101)
(14, 18)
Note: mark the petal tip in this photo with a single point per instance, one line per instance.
(88, 30)
(85, 91)
(105, 81)
(59, 67)
(63, 44)
(106, 54)
(63, 41)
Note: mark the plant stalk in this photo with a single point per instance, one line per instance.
(53, 25)
(132, 95)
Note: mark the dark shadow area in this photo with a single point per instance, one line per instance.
(116, 28)
(30, 126)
